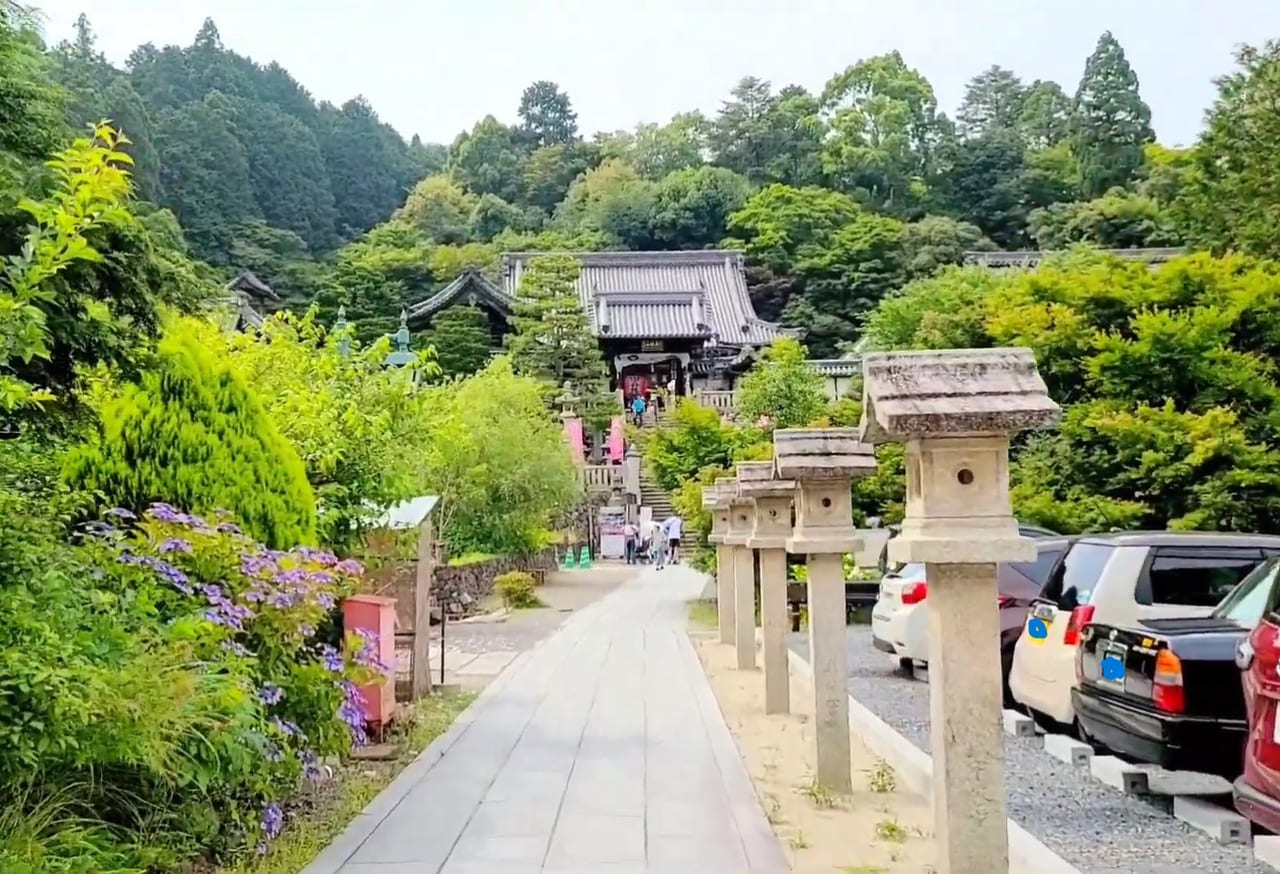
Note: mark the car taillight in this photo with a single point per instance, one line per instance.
(1080, 617)
(1166, 686)
(915, 593)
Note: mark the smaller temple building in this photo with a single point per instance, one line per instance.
(659, 316)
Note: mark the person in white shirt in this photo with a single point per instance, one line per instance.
(672, 529)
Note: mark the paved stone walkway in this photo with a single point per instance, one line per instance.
(602, 750)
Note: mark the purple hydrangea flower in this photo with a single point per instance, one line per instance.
(325, 600)
(286, 727)
(236, 648)
(121, 513)
(176, 544)
(307, 631)
(228, 528)
(331, 658)
(310, 765)
(350, 566)
(272, 820)
(273, 753)
(100, 529)
(270, 694)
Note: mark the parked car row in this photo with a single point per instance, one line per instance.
(1163, 647)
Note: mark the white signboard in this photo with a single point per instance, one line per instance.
(613, 538)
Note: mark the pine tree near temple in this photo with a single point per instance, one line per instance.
(460, 336)
(1111, 123)
(553, 340)
(547, 115)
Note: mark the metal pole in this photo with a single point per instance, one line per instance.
(444, 620)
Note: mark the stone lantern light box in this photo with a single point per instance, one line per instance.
(955, 410)
(757, 480)
(735, 513)
(823, 461)
(714, 499)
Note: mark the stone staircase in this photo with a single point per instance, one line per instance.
(653, 496)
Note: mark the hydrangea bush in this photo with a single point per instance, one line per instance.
(263, 622)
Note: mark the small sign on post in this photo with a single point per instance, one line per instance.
(955, 410)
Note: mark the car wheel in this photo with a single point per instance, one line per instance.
(906, 666)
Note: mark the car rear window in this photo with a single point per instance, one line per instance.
(1073, 583)
(1194, 577)
(1038, 571)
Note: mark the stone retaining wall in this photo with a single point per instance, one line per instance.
(461, 588)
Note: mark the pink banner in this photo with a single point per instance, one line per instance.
(577, 445)
(617, 445)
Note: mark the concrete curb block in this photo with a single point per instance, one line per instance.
(914, 767)
(349, 840)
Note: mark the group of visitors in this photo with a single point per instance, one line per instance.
(658, 542)
(641, 401)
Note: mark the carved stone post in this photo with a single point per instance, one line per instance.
(824, 462)
(955, 411)
(719, 507)
(772, 499)
(744, 573)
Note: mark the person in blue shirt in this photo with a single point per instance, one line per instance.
(637, 410)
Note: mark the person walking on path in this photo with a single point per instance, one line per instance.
(659, 549)
(632, 535)
(637, 410)
(671, 529)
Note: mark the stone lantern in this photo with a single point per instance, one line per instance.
(772, 499)
(718, 505)
(955, 410)
(741, 523)
(824, 463)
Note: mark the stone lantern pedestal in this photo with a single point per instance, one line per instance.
(714, 500)
(955, 411)
(824, 462)
(772, 526)
(741, 512)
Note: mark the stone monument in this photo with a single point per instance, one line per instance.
(742, 560)
(824, 463)
(955, 411)
(772, 526)
(714, 500)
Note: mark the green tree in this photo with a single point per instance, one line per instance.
(1045, 117)
(192, 434)
(487, 160)
(460, 335)
(1118, 220)
(366, 164)
(1110, 123)
(984, 183)
(552, 341)
(691, 208)
(441, 209)
(31, 109)
(548, 172)
(655, 150)
(497, 459)
(936, 241)
(1231, 188)
(547, 115)
(993, 100)
(693, 439)
(783, 390)
(613, 200)
(884, 132)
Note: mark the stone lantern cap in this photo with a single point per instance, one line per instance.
(821, 454)
(953, 393)
(711, 497)
(758, 479)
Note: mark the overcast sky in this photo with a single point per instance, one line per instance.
(434, 67)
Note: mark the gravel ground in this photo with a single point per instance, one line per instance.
(1094, 827)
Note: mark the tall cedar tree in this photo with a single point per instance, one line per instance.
(1111, 123)
(192, 434)
(553, 339)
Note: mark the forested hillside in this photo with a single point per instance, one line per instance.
(837, 196)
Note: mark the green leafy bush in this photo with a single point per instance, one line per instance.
(168, 683)
(192, 433)
(516, 590)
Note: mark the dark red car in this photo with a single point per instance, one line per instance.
(1257, 791)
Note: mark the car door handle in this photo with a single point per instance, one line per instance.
(1244, 655)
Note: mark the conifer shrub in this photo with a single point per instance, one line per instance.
(191, 433)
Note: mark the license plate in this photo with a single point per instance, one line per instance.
(1111, 664)
(1040, 623)
(1044, 612)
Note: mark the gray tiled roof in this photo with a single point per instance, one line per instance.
(836, 366)
(658, 294)
(471, 281)
(1031, 258)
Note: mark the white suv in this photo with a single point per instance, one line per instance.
(1119, 579)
